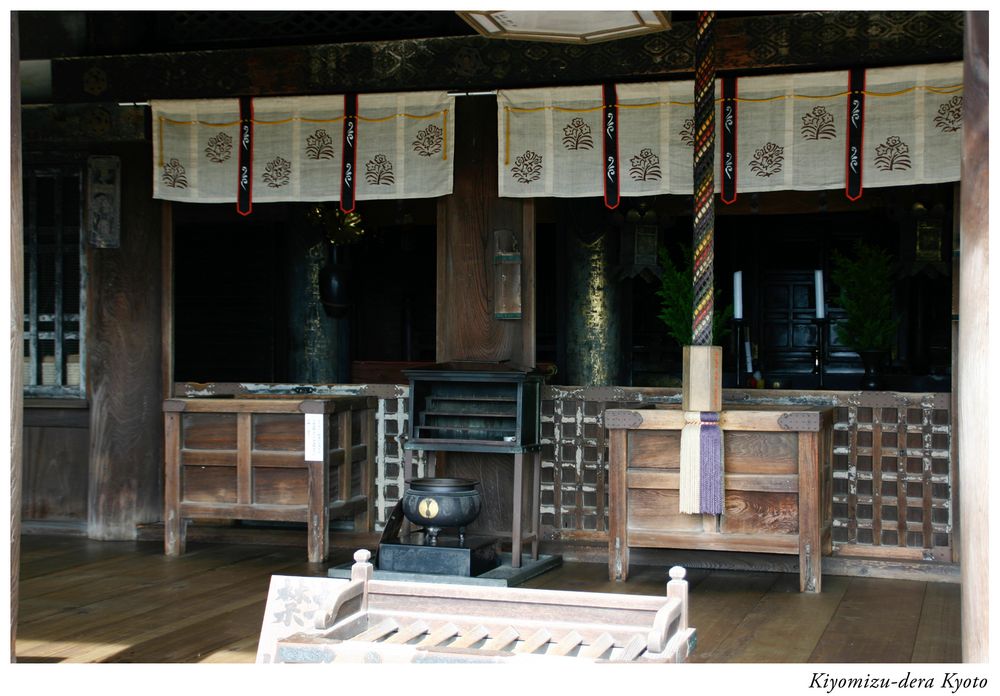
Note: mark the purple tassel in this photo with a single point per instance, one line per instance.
(711, 464)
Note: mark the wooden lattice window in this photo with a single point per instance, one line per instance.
(574, 494)
(54, 276)
(892, 478)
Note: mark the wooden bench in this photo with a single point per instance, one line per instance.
(247, 459)
(778, 486)
(316, 619)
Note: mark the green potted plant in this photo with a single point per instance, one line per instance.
(864, 281)
(676, 295)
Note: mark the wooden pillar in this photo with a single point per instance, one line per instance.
(467, 222)
(593, 319)
(317, 354)
(17, 327)
(124, 367)
(466, 285)
(973, 343)
(167, 298)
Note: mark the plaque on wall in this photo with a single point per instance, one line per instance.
(104, 202)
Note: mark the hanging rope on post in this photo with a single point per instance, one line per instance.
(702, 468)
(704, 179)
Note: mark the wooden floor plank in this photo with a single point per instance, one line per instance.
(762, 635)
(117, 584)
(110, 574)
(42, 555)
(587, 577)
(722, 600)
(64, 575)
(88, 601)
(241, 652)
(876, 621)
(939, 634)
(92, 631)
(153, 604)
(98, 641)
(195, 641)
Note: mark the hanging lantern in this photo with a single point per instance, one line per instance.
(339, 230)
(333, 285)
(639, 244)
(507, 276)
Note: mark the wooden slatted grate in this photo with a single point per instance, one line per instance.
(540, 641)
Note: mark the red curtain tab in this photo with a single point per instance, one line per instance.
(244, 184)
(855, 132)
(611, 165)
(729, 129)
(348, 174)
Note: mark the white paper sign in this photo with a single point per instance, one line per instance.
(314, 437)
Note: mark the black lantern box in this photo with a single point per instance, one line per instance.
(474, 407)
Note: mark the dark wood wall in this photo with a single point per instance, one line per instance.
(56, 443)
(124, 351)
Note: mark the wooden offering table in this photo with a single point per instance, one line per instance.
(778, 486)
(271, 459)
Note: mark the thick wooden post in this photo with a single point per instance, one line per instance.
(617, 505)
(466, 245)
(467, 328)
(17, 327)
(973, 343)
(810, 513)
(593, 320)
(124, 367)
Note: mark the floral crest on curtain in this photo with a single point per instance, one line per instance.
(404, 147)
(791, 134)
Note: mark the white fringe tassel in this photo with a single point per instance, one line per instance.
(690, 491)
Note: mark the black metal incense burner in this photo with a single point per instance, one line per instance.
(434, 503)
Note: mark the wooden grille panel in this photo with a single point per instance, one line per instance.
(892, 477)
(891, 489)
(892, 470)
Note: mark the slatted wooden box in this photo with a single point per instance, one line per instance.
(312, 619)
(246, 459)
(474, 407)
(778, 486)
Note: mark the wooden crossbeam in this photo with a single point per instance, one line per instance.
(807, 41)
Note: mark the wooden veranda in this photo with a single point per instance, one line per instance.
(86, 601)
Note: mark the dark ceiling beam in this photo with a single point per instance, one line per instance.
(76, 123)
(784, 42)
